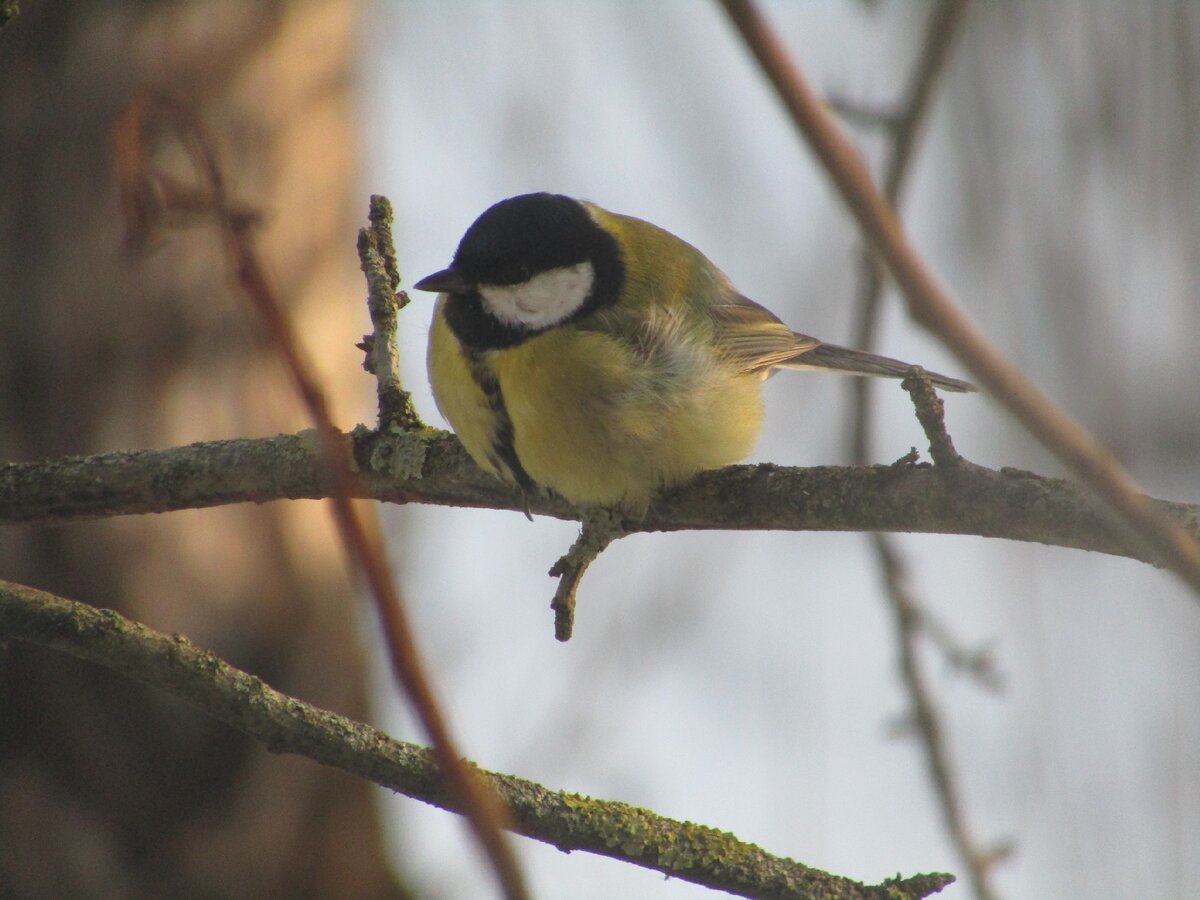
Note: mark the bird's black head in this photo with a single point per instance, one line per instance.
(518, 266)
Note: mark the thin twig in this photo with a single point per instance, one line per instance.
(694, 853)
(909, 616)
(377, 257)
(483, 810)
(931, 306)
(928, 721)
(944, 24)
(931, 413)
(598, 528)
(978, 663)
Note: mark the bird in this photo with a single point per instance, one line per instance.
(603, 358)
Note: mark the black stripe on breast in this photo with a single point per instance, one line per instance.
(476, 328)
(503, 454)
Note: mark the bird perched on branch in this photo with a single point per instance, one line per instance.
(604, 358)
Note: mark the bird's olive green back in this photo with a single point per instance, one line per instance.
(665, 273)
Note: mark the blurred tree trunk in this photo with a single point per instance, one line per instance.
(106, 788)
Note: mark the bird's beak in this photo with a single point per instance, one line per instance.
(447, 281)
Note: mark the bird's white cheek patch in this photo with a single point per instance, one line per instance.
(544, 300)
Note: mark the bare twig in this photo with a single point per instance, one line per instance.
(944, 25)
(976, 662)
(362, 545)
(910, 618)
(598, 529)
(931, 413)
(932, 306)
(928, 721)
(283, 724)
(377, 256)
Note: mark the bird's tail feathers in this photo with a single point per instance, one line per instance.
(833, 358)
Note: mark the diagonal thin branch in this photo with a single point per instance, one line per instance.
(928, 721)
(283, 724)
(362, 544)
(909, 622)
(943, 27)
(932, 306)
(908, 615)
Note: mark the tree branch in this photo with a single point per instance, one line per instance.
(284, 724)
(377, 256)
(360, 539)
(431, 467)
(598, 529)
(909, 616)
(931, 413)
(931, 306)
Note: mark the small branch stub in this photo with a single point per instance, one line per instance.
(931, 413)
(377, 256)
(598, 528)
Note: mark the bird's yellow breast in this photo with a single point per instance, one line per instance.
(600, 418)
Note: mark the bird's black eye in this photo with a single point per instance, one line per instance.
(506, 272)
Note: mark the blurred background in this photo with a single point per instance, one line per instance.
(745, 681)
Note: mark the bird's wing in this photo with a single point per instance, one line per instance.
(752, 336)
(755, 340)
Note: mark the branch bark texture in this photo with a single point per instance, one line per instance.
(286, 725)
(932, 307)
(431, 467)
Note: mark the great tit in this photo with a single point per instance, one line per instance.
(604, 358)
